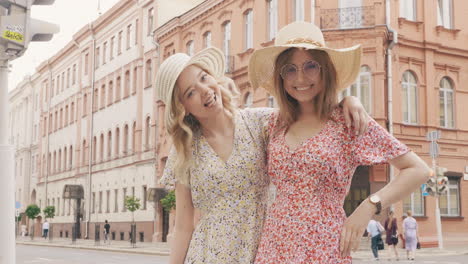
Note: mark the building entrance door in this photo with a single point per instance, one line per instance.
(359, 191)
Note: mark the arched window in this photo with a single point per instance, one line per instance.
(54, 168)
(85, 104)
(207, 39)
(103, 96)
(135, 80)
(117, 142)
(66, 116)
(118, 88)
(410, 98)
(110, 95)
(149, 70)
(101, 148)
(190, 48)
(134, 137)
(361, 88)
(65, 161)
(127, 84)
(72, 112)
(70, 166)
(83, 153)
(59, 161)
(147, 132)
(96, 99)
(94, 149)
(109, 144)
(446, 104)
(125, 140)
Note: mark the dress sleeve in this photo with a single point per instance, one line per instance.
(261, 116)
(168, 178)
(376, 146)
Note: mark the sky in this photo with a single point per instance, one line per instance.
(70, 15)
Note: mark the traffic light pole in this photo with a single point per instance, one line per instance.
(7, 186)
(437, 210)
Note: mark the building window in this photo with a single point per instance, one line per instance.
(350, 13)
(83, 153)
(116, 200)
(150, 21)
(103, 96)
(107, 201)
(124, 209)
(312, 11)
(408, 9)
(100, 202)
(129, 34)
(127, 84)
(59, 161)
(248, 100)
(72, 112)
(68, 78)
(272, 19)
(134, 137)
(248, 29)
(136, 32)
(445, 13)
(446, 103)
(415, 203)
(74, 74)
(361, 88)
(298, 10)
(450, 200)
(125, 140)
(86, 64)
(272, 102)
(135, 80)
(63, 81)
(110, 94)
(145, 193)
(227, 43)
(118, 89)
(190, 47)
(85, 104)
(207, 39)
(98, 53)
(149, 71)
(119, 43)
(111, 48)
(109, 145)
(410, 98)
(147, 132)
(94, 149)
(66, 116)
(93, 208)
(71, 158)
(101, 148)
(117, 142)
(104, 52)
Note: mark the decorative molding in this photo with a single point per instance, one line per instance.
(250, 4)
(402, 21)
(204, 25)
(453, 32)
(225, 15)
(189, 36)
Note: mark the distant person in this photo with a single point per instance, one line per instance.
(391, 229)
(374, 228)
(106, 231)
(45, 229)
(410, 232)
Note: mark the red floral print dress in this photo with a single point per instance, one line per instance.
(304, 223)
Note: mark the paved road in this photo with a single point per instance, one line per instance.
(463, 259)
(52, 255)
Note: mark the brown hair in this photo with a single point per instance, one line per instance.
(325, 101)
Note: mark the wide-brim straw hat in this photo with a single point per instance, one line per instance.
(210, 59)
(347, 61)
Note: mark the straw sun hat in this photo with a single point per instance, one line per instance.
(210, 59)
(347, 61)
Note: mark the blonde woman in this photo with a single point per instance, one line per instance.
(312, 154)
(218, 164)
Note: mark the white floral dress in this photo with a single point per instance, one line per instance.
(231, 195)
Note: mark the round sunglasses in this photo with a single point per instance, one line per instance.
(290, 72)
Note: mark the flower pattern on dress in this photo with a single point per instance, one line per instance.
(231, 195)
(305, 221)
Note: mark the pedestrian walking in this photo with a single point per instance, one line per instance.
(313, 154)
(391, 230)
(411, 235)
(45, 229)
(374, 231)
(218, 163)
(106, 231)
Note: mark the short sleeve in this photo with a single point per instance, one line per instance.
(376, 146)
(168, 178)
(260, 117)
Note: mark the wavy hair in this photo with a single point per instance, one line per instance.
(324, 102)
(184, 127)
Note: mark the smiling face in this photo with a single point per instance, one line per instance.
(306, 82)
(199, 92)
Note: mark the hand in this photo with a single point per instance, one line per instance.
(355, 114)
(354, 227)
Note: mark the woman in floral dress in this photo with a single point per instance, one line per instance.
(218, 165)
(312, 154)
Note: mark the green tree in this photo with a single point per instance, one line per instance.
(132, 204)
(32, 211)
(49, 212)
(169, 201)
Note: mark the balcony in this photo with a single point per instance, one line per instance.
(347, 18)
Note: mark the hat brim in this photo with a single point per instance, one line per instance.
(347, 63)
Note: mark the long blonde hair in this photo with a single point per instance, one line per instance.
(325, 101)
(183, 129)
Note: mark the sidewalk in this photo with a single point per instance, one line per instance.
(157, 248)
(456, 250)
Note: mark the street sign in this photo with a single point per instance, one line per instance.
(17, 213)
(423, 190)
(433, 135)
(434, 149)
(17, 205)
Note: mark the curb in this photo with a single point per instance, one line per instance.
(155, 253)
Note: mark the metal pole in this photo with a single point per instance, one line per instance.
(437, 210)
(7, 197)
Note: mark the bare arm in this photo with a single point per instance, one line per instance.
(413, 172)
(184, 224)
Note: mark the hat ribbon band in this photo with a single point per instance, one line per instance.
(304, 40)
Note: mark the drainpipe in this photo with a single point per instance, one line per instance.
(90, 151)
(390, 46)
(49, 99)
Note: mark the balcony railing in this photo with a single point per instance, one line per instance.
(347, 18)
